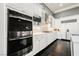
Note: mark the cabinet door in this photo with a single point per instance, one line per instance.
(36, 44)
(26, 8)
(45, 40)
(37, 8)
(53, 37)
(50, 38)
(42, 42)
(76, 49)
(41, 37)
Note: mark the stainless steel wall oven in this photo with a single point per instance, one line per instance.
(19, 40)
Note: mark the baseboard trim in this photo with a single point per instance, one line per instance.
(65, 40)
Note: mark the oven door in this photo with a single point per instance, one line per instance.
(20, 47)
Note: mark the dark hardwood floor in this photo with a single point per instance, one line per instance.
(58, 48)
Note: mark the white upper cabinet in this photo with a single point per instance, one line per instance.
(37, 10)
(26, 8)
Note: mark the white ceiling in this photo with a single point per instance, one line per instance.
(59, 7)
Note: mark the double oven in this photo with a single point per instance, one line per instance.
(19, 41)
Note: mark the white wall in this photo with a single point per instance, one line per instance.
(73, 27)
(3, 38)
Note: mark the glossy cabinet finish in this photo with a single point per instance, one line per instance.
(76, 49)
(36, 44)
(75, 45)
(40, 41)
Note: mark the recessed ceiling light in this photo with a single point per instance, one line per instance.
(61, 4)
(19, 20)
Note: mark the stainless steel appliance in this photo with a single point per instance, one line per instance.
(19, 33)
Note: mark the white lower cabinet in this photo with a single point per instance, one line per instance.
(75, 45)
(76, 49)
(50, 38)
(40, 41)
(43, 42)
(36, 44)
